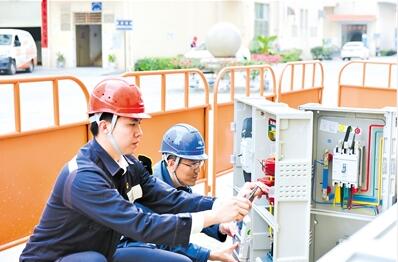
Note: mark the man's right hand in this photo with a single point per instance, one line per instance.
(230, 209)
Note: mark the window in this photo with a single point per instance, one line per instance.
(261, 19)
(303, 19)
(87, 18)
(5, 39)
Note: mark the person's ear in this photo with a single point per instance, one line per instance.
(171, 163)
(103, 125)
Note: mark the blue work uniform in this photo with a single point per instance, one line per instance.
(90, 208)
(193, 251)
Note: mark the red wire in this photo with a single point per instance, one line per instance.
(368, 160)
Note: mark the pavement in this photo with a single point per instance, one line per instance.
(76, 71)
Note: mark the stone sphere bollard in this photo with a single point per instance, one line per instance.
(223, 40)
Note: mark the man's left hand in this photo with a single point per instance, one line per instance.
(229, 229)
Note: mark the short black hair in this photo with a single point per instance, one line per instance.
(170, 156)
(94, 126)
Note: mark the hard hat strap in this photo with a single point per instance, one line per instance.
(95, 118)
(111, 138)
(177, 180)
(122, 161)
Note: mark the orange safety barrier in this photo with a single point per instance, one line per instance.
(32, 166)
(155, 127)
(223, 114)
(306, 93)
(365, 94)
(30, 162)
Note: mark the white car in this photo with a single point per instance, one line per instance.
(17, 51)
(354, 50)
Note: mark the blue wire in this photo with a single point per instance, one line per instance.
(313, 183)
(331, 203)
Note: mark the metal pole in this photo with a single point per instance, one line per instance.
(125, 51)
(396, 43)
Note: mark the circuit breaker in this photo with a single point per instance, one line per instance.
(346, 167)
(278, 155)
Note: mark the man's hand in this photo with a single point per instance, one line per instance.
(224, 254)
(249, 186)
(229, 229)
(226, 210)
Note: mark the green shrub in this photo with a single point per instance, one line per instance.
(165, 63)
(328, 53)
(324, 53)
(291, 55)
(388, 52)
(111, 58)
(317, 52)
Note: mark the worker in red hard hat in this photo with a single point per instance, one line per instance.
(93, 200)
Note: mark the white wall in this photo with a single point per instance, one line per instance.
(292, 33)
(356, 7)
(380, 31)
(20, 13)
(386, 26)
(160, 28)
(166, 28)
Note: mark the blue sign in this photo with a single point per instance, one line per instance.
(96, 6)
(124, 24)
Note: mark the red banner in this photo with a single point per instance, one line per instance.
(44, 32)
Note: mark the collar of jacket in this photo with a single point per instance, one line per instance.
(110, 164)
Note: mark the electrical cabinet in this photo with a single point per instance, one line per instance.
(377, 241)
(273, 143)
(354, 171)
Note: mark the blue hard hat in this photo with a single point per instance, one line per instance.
(185, 141)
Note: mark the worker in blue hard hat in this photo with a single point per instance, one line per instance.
(183, 155)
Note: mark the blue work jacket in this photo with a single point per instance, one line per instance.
(89, 208)
(193, 251)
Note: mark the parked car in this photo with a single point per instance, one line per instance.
(354, 50)
(17, 51)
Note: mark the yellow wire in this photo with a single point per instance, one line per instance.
(336, 195)
(380, 167)
(365, 203)
(270, 228)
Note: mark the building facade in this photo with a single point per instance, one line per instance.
(87, 33)
(369, 21)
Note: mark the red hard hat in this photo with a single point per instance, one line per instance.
(117, 95)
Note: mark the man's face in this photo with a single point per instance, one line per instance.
(128, 134)
(188, 171)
